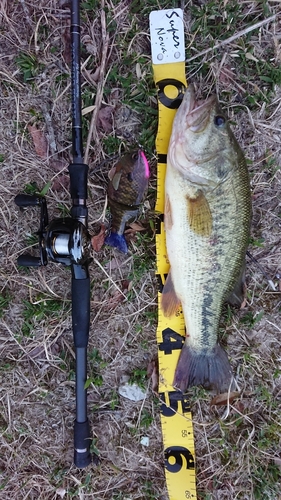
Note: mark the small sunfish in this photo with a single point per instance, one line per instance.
(127, 188)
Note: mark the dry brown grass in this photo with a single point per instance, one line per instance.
(237, 457)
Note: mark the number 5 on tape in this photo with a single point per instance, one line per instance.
(168, 62)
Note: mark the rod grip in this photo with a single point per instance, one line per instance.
(27, 200)
(82, 443)
(27, 260)
(78, 180)
(81, 311)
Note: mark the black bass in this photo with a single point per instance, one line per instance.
(127, 187)
(207, 224)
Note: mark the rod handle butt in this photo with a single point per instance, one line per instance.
(82, 443)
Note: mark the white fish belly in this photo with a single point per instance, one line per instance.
(201, 267)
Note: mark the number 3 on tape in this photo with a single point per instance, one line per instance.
(168, 62)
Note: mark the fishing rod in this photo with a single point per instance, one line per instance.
(67, 241)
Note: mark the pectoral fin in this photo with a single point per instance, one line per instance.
(116, 180)
(111, 173)
(168, 221)
(170, 302)
(199, 215)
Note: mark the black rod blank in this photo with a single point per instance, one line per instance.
(78, 172)
(77, 144)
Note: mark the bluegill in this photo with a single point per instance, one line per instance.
(127, 188)
(207, 225)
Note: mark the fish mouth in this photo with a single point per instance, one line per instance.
(197, 112)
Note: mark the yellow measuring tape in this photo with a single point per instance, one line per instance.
(167, 43)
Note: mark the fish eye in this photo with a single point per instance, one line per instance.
(135, 156)
(219, 120)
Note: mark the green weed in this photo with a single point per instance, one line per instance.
(139, 377)
(149, 492)
(28, 65)
(114, 402)
(90, 5)
(151, 316)
(94, 450)
(218, 20)
(38, 311)
(33, 189)
(250, 319)
(5, 299)
(146, 419)
(96, 364)
(266, 480)
(257, 242)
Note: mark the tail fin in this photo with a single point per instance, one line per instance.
(117, 241)
(209, 368)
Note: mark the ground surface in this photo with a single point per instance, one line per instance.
(237, 457)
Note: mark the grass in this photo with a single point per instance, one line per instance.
(38, 311)
(238, 457)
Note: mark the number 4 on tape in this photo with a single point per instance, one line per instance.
(168, 62)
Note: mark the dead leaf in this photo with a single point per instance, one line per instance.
(250, 56)
(97, 241)
(136, 226)
(226, 76)
(39, 140)
(114, 263)
(239, 406)
(61, 492)
(115, 96)
(118, 296)
(58, 165)
(91, 77)
(153, 374)
(224, 398)
(105, 118)
(130, 233)
(277, 462)
(87, 110)
(244, 303)
(90, 44)
(60, 183)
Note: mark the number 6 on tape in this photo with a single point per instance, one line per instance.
(168, 62)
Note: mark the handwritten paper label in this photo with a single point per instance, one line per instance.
(167, 36)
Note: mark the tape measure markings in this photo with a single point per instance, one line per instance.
(167, 42)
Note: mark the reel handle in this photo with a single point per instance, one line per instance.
(27, 260)
(27, 200)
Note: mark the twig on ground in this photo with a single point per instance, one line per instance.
(104, 50)
(26, 11)
(232, 38)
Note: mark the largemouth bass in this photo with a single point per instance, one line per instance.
(207, 224)
(127, 187)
